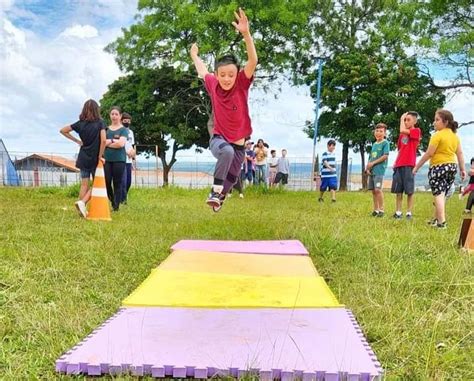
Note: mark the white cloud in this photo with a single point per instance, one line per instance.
(45, 82)
(80, 31)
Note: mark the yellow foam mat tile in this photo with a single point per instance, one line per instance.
(239, 264)
(205, 290)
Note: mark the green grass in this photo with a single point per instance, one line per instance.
(409, 286)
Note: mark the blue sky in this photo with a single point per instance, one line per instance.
(53, 60)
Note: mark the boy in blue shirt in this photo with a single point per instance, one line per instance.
(376, 168)
(329, 172)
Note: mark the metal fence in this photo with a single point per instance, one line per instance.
(58, 169)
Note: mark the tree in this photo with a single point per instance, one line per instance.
(167, 107)
(444, 33)
(368, 86)
(165, 30)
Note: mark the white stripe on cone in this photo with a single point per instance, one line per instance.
(99, 192)
(99, 172)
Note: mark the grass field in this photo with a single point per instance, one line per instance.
(409, 286)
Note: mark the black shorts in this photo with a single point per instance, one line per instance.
(280, 176)
(442, 177)
(403, 180)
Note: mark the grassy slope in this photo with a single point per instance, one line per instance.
(408, 285)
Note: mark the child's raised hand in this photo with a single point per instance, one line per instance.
(242, 25)
(194, 50)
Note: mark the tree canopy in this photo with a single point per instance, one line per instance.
(167, 110)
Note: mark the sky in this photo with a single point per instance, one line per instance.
(52, 60)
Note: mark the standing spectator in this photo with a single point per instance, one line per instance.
(249, 162)
(130, 152)
(328, 172)
(376, 168)
(469, 189)
(115, 157)
(283, 169)
(261, 162)
(443, 149)
(273, 164)
(91, 131)
(403, 178)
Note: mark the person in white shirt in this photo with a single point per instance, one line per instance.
(273, 165)
(130, 151)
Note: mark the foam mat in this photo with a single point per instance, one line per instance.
(302, 344)
(285, 247)
(236, 263)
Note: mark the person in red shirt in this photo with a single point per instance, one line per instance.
(228, 89)
(403, 178)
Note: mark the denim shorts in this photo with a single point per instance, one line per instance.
(375, 182)
(87, 173)
(328, 183)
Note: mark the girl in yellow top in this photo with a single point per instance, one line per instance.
(443, 149)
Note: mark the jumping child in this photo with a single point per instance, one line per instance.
(228, 89)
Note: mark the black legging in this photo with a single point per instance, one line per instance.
(470, 201)
(113, 171)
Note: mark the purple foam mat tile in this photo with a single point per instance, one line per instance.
(285, 344)
(285, 247)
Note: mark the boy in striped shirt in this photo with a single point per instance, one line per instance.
(329, 172)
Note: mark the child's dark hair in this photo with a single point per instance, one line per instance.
(90, 111)
(228, 59)
(331, 143)
(272, 151)
(126, 115)
(472, 160)
(416, 115)
(116, 108)
(381, 125)
(448, 118)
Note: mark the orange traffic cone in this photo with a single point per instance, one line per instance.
(99, 203)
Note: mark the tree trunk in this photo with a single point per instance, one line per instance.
(167, 166)
(362, 160)
(344, 165)
(166, 171)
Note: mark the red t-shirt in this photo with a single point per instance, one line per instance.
(231, 110)
(407, 145)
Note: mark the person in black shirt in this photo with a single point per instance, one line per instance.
(91, 131)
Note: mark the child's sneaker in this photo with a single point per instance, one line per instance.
(213, 200)
(433, 222)
(221, 202)
(375, 213)
(409, 216)
(442, 225)
(381, 213)
(397, 216)
(241, 195)
(320, 199)
(81, 208)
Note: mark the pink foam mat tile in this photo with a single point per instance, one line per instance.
(322, 344)
(284, 247)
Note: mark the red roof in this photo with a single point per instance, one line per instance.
(58, 161)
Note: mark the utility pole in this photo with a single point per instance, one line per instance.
(316, 120)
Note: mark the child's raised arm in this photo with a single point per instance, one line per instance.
(403, 129)
(243, 27)
(200, 66)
